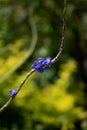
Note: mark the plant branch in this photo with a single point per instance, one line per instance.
(30, 51)
(19, 88)
(52, 61)
(63, 35)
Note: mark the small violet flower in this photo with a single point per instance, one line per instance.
(12, 92)
(41, 64)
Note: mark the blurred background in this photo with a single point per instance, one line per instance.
(57, 98)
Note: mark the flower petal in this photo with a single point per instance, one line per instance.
(41, 64)
(12, 92)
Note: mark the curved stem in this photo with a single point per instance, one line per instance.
(63, 35)
(19, 88)
(30, 51)
(30, 72)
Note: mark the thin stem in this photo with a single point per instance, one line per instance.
(63, 35)
(24, 80)
(19, 88)
(31, 48)
(6, 104)
(30, 72)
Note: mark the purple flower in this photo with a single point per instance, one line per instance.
(41, 64)
(12, 92)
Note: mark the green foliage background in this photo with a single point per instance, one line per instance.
(56, 99)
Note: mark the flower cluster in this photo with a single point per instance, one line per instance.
(12, 92)
(41, 64)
